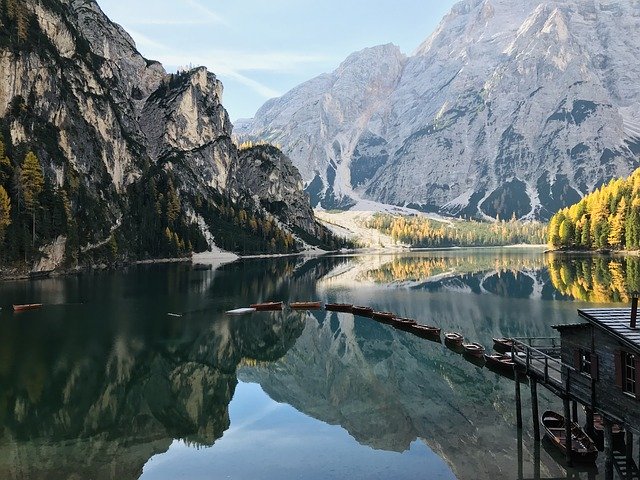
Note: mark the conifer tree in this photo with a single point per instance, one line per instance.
(5, 211)
(31, 185)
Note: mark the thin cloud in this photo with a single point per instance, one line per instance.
(206, 11)
(167, 22)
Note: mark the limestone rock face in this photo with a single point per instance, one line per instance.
(508, 108)
(276, 184)
(103, 119)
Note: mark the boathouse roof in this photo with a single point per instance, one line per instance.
(614, 321)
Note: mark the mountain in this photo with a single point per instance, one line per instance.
(134, 162)
(508, 108)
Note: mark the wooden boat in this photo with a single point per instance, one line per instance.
(405, 324)
(362, 311)
(384, 317)
(239, 311)
(583, 449)
(28, 306)
(267, 306)
(305, 305)
(474, 349)
(503, 344)
(338, 307)
(500, 362)
(453, 339)
(425, 331)
(40, 274)
(598, 432)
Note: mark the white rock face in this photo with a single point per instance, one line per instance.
(507, 108)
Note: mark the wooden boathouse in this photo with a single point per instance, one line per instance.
(595, 363)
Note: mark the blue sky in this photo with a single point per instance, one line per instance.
(262, 48)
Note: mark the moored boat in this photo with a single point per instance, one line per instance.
(453, 339)
(384, 317)
(474, 349)
(425, 331)
(598, 432)
(339, 307)
(500, 362)
(405, 324)
(237, 311)
(362, 311)
(25, 307)
(503, 344)
(267, 306)
(583, 449)
(305, 305)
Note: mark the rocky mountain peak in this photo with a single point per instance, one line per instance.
(508, 108)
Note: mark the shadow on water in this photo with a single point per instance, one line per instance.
(102, 379)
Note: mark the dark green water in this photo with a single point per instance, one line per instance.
(101, 383)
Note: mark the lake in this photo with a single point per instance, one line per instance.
(103, 383)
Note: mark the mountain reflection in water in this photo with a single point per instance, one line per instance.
(102, 379)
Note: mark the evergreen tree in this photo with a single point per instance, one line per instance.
(5, 212)
(31, 185)
(6, 170)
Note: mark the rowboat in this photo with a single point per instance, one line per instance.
(453, 339)
(583, 449)
(503, 344)
(473, 349)
(405, 324)
(267, 306)
(362, 311)
(425, 331)
(384, 317)
(338, 307)
(239, 311)
(499, 362)
(305, 305)
(28, 306)
(598, 432)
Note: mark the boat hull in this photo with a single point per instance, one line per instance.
(305, 305)
(267, 307)
(339, 307)
(583, 448)
(24, 308)
(362, 311)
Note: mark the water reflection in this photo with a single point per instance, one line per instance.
(601, 279)
(102, 379)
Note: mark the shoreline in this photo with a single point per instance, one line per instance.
(219, 257)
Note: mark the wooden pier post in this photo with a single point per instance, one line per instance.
(589, 415)
(534, 409)
(536, 460)
(520, 456)
(608, 448)
(567, 430)
(518, 402)
(574, 411)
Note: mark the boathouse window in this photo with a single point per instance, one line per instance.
(585, 362)
(628, 372)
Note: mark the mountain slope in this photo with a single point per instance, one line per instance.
(136, 162)
(508, 108)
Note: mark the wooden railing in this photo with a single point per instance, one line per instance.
(544, 360)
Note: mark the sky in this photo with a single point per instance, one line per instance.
(260, 49)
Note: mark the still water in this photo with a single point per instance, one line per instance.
(102, 383)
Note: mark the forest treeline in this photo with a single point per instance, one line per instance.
(419, 231)
(607, 218)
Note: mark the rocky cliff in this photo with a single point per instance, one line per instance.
(136, 162)
(508, 108)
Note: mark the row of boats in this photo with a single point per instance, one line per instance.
(501, 361)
